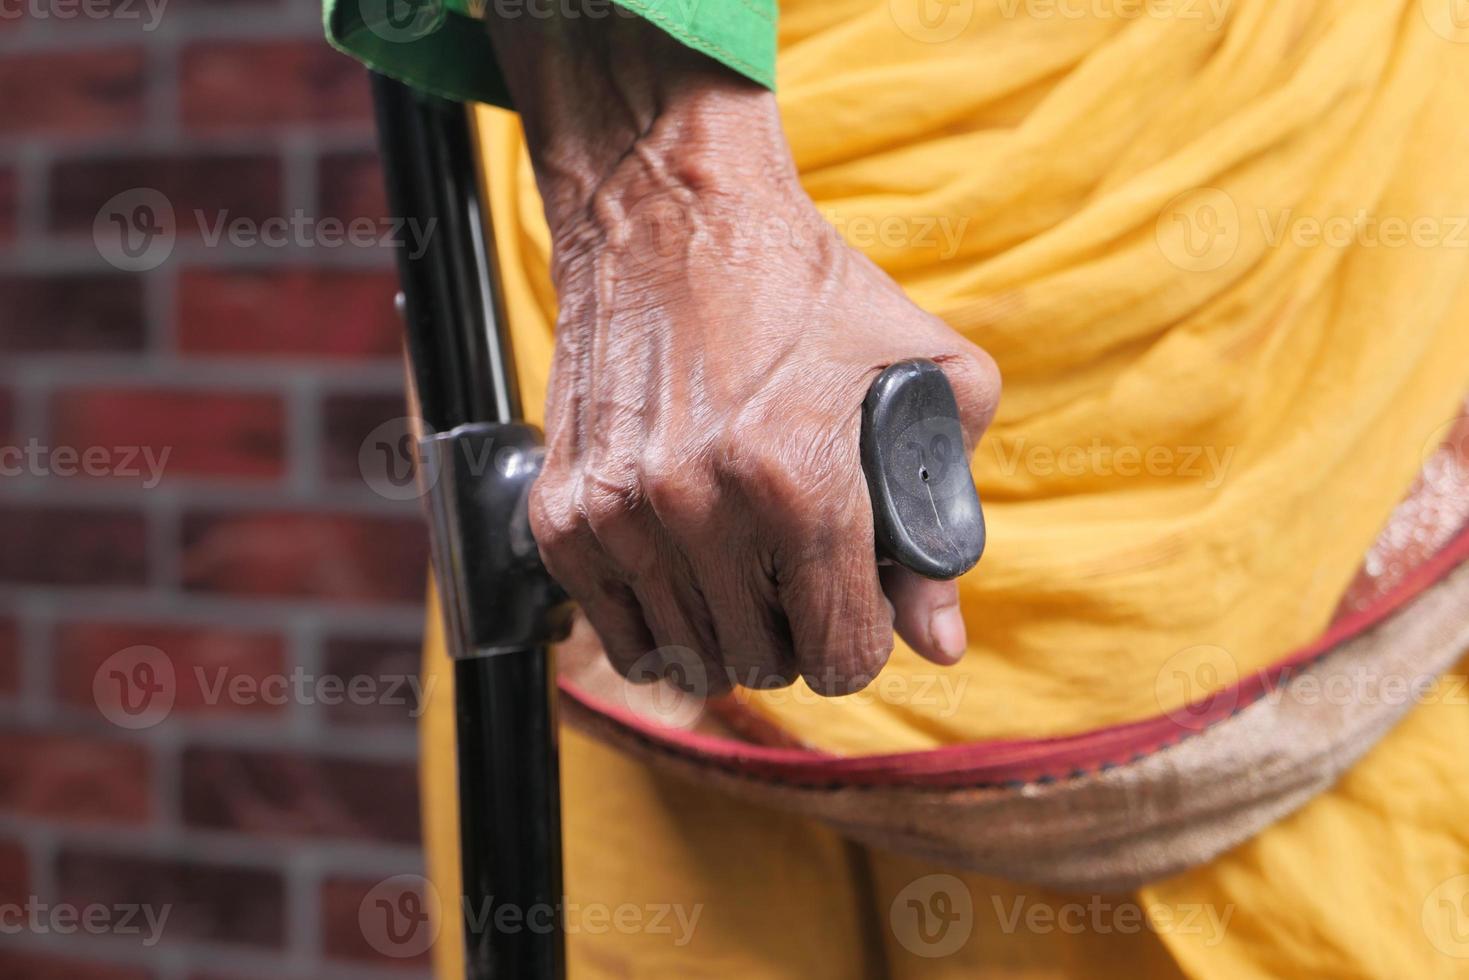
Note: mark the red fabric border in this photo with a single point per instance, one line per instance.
(1008, 763)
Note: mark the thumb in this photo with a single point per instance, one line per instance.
(975, 378)
(926, 614)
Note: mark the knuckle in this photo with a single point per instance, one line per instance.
(775, 483)
(672, 488)
(976, 381)
(553, 521)
(609, 496)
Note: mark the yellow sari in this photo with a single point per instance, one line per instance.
(1219, 251)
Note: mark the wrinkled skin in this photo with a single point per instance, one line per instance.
(703, 499)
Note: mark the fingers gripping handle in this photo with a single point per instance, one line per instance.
(925, 509)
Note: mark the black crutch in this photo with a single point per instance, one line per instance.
(477, 460)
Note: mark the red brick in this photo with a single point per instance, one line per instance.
(332, 313)
(15, 874)
(209, 902)
(325, 556)
(347, 420)
(291, 794)
(225, 84)
(16, 964)
(72, 312)
(386, 665)
(202, 433)
(344, 928)
(351, 186)
(9, 656)
(72, 546)
(244, 185)
(80, 778)
(91, 91)
(206, 662)
(9, 203)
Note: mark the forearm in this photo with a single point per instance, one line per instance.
(615, 105)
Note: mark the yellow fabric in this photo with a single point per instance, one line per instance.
(1219, 252)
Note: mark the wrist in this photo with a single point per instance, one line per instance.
(615, 111)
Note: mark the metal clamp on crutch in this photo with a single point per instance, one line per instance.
(501, 610)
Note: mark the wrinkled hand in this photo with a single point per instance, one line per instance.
(703, 487)
(703, 498)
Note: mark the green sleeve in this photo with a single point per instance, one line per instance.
(440, 46)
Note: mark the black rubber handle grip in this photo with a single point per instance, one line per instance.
(925, 509)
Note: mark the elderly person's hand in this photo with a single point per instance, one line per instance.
(703, 487)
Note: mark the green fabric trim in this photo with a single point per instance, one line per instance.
(439, 46)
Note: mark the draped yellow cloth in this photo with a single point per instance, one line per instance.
(1219, 252)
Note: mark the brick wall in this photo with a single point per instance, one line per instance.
(251, 563)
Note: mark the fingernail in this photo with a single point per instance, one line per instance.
(946, 629)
